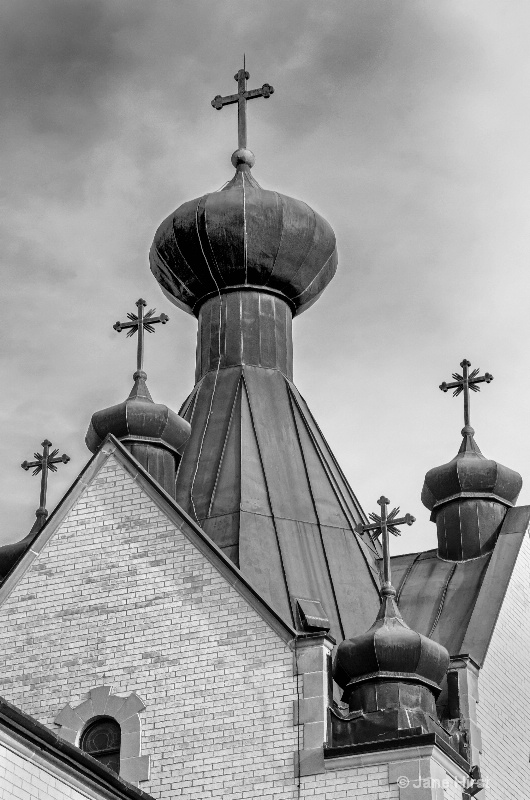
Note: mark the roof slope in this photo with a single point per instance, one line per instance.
(262, 481)
(457, 603)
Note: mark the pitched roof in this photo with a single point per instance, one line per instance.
(268, 490)
(457, 603)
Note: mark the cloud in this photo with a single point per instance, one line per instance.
(402, 122)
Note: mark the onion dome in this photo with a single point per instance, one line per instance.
(390, 650)
(468, 498)
(391, 678)
(243, 237)
(390, 675)
(154, 434)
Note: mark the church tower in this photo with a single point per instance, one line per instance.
(257, 473)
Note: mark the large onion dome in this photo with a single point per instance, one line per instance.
(154, 434)
(468, 498)
(243, 237)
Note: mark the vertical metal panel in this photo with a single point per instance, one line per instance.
(233, 335)
(278, 444)
(305, 567)
(224, 227)
(214, 417)
(429, 576)
(224, 531)
(355, 589)
(250, 327)
(226, 494)
(260, 561)
(350, 505)
(254, 494)
(264, 230)
(327, 501)
(267, 331)
(490, 518)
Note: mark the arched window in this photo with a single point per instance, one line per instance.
(102, 739)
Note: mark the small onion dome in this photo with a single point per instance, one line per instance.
(390, 650)
(470, 474)
(468, 499)
(243, 236)
(139, 419)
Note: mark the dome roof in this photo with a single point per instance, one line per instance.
(470, 474)
(139, 418)
(243, 236)
(391, 650)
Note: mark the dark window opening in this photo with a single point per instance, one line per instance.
(102, 740)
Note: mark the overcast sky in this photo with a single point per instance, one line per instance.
(405, 124)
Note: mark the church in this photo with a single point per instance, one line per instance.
(210, 613)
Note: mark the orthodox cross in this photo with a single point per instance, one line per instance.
(43, 463)
(465, 382)
(241, 99)
(137, 324)
(382, 526)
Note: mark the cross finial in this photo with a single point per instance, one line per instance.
(137, 324)
(243, 94)
(465, 382)
(381, 526)
(42, 464)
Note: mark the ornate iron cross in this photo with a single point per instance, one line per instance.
(241, 99)
(382, 526)
(465, 382)
(43, 463)
(137, 324)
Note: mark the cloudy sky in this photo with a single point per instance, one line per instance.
(406, 124)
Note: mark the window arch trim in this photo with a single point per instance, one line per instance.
(125, 710)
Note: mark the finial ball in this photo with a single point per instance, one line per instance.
(243, 156)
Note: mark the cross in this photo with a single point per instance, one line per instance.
(465, 382)
(241, 99)
(382, 526)
(43, 463)
(138, 323)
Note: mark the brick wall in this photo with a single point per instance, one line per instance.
(22, 779)
(503, 712)
(366, 783)
(119, 596)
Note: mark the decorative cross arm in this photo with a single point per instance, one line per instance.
(381, 526)
(43, 463)
(243, 94)
(464, 383)
(137, 324)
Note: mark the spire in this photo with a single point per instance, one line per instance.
(469, 496)
(153, 433)
(44, 463)
(242, 158)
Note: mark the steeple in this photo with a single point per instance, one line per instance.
(257, 473)
(153, 433)
(470, 495)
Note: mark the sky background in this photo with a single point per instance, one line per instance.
(405, 124)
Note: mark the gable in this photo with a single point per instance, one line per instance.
(122, 590)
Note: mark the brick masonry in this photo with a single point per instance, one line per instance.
(120, 597)
(503, 711)
(21, 779)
